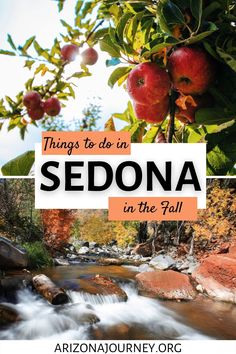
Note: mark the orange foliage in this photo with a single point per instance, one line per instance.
(57, 225)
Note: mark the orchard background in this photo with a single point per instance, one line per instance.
(131, 33)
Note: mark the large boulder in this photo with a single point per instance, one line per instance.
(12, 256)
(143, 249)
(8, 314)
(11, 284)
(232, 251)
(100, 285)
(217, 277)
(162, 262)
(168, 285)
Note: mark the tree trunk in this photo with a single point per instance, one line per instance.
(46, 288)
(142, 233)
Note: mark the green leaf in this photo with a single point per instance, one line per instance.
(67, 26)
(221, 157)
(7, 52)
(128, 115)
(122, 25)
(78, 7)
(29, 63)
(28, 43)
(10, 101)
(79, 74)
(212, 7)
(60, 5)
(199, 37)
(135, 129)
(218, 163)
(10, 41)
(151, 135)
(196, 9)
(39, 68)
(229, 59)
(29, 84)
(106, 45)
(212, 116)
(20, 166)
(172, 13)
(99, 34)
(118, 74)
(135, 23)
(40, 51)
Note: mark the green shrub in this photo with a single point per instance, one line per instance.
(37, 254)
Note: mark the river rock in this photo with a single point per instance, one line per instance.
(8, 314)
(12, 256)
(168, 284)
(11, 284)
(187, 266)
(162, 262)
(93, 244)
(60, 262)
(145, 268)
(83, 250)
(143, 249)
(111, 261)
(71, 257)
(217, 276)
(100, 285)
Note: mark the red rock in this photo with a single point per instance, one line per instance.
(224, 248)
(217, 276)
(169, 285)
(232, 251)
(100, 285)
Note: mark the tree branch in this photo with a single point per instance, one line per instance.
(171, 128)
(95, 28)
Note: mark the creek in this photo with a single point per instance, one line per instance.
(139, 318)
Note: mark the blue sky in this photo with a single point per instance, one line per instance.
(25, 18)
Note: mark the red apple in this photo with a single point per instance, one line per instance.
(192, 70)
(69, 52)
(32, 99)
(36, 113)
(155, 113)
(148, 83)
(52, 107)
(89, 56)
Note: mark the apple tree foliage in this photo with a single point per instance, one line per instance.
(132, 32)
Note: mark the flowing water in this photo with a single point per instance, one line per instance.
(138, 318)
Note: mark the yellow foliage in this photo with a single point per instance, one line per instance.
(94, 226)
(218, 220)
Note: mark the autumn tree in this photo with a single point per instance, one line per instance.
(17, 213)
(57, 225)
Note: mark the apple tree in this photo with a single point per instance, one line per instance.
(195, 41)
(175, 58)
